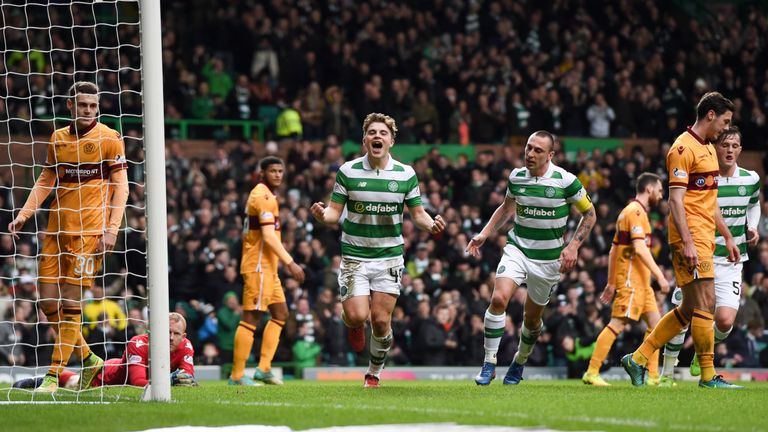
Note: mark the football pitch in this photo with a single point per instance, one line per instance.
(563, 405)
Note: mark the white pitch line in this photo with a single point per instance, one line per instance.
(613, 421)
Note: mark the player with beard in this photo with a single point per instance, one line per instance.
(630, 265)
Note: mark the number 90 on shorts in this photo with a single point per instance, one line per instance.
(70, 259)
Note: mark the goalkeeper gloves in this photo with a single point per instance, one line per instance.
(182, 378)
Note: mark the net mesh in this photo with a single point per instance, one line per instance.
(46, 47)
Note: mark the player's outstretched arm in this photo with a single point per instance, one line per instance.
(274, 244)
(642, 251)
(734, 255)
(424, 221)
(329, 214)
(40, 191)
(498, 219)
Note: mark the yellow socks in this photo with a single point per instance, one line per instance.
(653, 360)
(704, 342)
(67, 336)
(269, 343)
(604, 343)
(243, 345)
(669, 325)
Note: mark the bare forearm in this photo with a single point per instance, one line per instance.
(331, 215)
(276, 246)
(585, 226)
(678, 218)
(423, 221)
(612, 265)
(498, 219)
(645, 256)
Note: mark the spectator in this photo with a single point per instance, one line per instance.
(600, 116)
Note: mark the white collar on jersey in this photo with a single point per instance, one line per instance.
(367, 165)
(547, 174)
(735, 173)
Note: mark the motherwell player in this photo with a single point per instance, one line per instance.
(694, 215)
(262, 291)
(132, 367)
(630, 265)
(85, 165)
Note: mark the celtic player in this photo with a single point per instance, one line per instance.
(738, 195)
(540, 196)
(369, 198)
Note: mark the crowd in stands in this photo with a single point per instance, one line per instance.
(467, 71)
(449, 72)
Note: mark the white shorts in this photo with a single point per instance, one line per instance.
(541, 277)
(359, 278)
(727, 286)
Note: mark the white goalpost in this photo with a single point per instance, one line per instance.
(157, 236)
(45, 48)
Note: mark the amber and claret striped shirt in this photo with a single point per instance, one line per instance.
(83, 161)
(632, 224)
(692, 164)
(262, 209)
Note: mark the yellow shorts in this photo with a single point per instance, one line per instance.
(633, 302)
(261, 290)
(685, 274)
(70, 259)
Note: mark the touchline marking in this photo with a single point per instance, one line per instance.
(580, 419)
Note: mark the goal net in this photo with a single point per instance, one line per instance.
(46, 48)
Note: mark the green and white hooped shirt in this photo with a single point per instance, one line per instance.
(736, 195)
(372, 222)
(543, 205)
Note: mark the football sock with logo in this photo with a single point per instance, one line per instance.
(528, 339)
(603, 345)
(669, 325)
(378, 350)
(269, 343)
(704, 342)
(243, 346)
(494, 329)
(671, 352)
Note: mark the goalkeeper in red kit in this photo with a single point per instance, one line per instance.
(133, 366)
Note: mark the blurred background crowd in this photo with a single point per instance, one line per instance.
(477, 72)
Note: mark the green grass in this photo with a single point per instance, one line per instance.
(566, 405)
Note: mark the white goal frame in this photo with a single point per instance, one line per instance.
(157, 236)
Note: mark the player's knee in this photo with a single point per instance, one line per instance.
(49, 307)
(279, 313)
(380, 323)
(724, 321)
(355, 318)
(498, 303)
